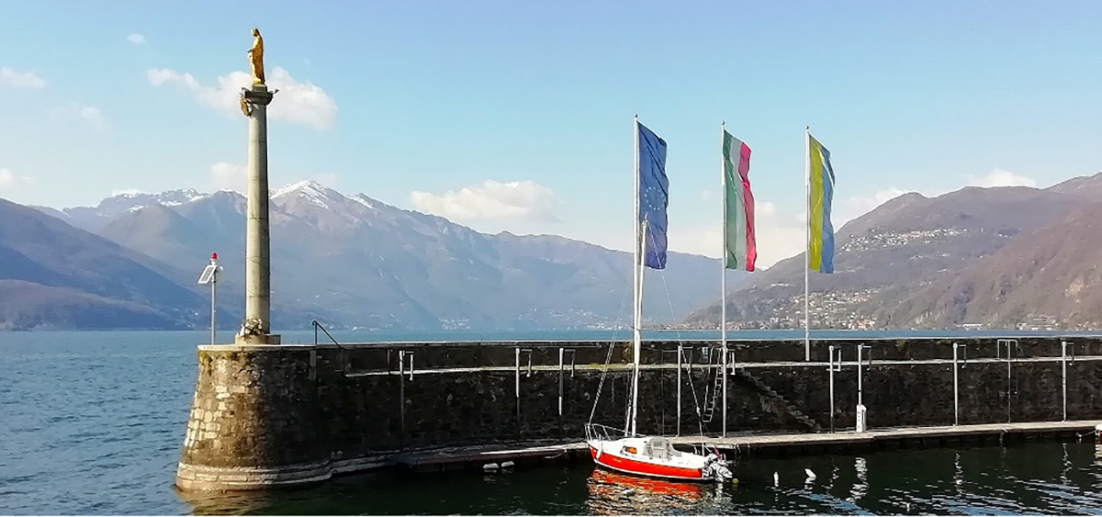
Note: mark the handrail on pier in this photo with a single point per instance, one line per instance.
(331, 338)
(344, 364)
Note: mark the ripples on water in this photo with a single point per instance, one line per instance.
(92, 423)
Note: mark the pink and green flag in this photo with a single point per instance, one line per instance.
(739, 248)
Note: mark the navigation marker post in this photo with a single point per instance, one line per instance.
(210, 276)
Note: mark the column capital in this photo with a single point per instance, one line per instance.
(258, 94)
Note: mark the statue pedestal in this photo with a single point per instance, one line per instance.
(266, 339)
(258, 94)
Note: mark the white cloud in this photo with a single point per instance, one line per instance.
(91, 115)
(14, 79)
(777, 236)
(1000, 178)
(136, 39)
(297, 102)
(11, 179)
(515, 201)
(94, 117)
(856, 206)
(126, 192)
(700, 240)
(228, 176)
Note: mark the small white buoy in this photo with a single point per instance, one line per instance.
(776, 479)
(810, 475)
(506, 464)
(490, 467)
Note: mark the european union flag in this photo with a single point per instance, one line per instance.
(654, 190)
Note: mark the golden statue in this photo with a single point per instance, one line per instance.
(256, 57)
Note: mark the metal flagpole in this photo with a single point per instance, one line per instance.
(638, 330)
(807, 244)
(723, 271)
(636, 294)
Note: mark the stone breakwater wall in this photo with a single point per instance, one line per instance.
(266, 416)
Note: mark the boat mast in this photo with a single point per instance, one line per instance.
(637, 292)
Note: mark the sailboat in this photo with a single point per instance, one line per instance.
(625, 450)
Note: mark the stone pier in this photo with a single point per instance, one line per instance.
(252, 420)
(271, 416)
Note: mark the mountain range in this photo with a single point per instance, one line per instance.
(1006, 257)
(978, 257)
(356, 262)
(53, 275)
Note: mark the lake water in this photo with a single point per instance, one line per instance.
(92, 423)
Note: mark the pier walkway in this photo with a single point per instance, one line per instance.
(479, 457)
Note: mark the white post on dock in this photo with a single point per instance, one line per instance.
(861, 411)
(860, 392)
(518, 388)
(956, 390)
(830, 368)
(679, 349)
(1064, 375)
(1009, 386)
(560, 380)
(1010, 345)
(402, 395)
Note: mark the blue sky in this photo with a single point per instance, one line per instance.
(411, 102)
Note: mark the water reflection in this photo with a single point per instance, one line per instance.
(612, 493)
(861, 487)
(958, 472)
(1035, 478)
(239, 503)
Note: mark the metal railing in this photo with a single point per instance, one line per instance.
(318, 326)
(603, 432)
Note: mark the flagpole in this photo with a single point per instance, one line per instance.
(723, 271)
(637, 287)
(807, 243)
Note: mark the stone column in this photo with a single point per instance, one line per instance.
(256, 329)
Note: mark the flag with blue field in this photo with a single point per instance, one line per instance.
(654, 188)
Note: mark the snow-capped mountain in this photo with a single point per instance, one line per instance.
(93, 218)
(357, 261)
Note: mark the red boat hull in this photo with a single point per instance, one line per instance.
(643, 468)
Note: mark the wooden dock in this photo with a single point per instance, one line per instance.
(492, 457)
